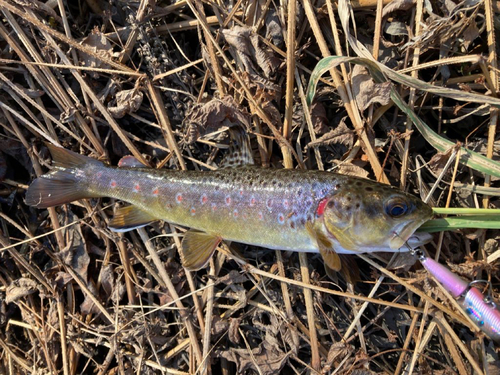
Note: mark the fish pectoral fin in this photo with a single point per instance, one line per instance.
(350, 269)
(197, 248)
(325, 246)
(331, 258)
(128, 218)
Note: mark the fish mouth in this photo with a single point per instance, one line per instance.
(403, 232)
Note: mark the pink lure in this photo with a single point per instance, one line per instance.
(481, 309)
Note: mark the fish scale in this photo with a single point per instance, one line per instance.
(311, 211)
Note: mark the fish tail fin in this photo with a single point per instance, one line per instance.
(61, 185)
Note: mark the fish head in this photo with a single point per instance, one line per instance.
(364, 214)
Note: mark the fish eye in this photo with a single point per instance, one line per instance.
(396, 208)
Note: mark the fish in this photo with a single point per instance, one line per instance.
(296, 210)
(481, 309)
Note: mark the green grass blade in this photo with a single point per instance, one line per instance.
(466, 211)
(467, 157)
(461, 222)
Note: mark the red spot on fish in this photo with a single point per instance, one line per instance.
(204, 199)
(281, 218)
(113, 183)
(321, 207)
(228, 200)
(261, 216)
(235, 213)
(193, 211)
(137, 187)
(253, 201)
(155, 191)
(178, 197)
(286, 203)
(241, 192)
(214, 206)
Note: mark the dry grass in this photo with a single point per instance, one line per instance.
(160, 81)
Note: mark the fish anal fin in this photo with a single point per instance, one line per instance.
(130, 161)
(128, 218)
(197, 248)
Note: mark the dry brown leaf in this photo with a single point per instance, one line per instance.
(366, 91)
(126, 101)
(266, 359)
(340, 135)
(98, 42)
(246, 43)
(349, 169)
(396, 5)
(233, 277)
(319, 118)
(20, 288)
(213, 116)
(88, 306)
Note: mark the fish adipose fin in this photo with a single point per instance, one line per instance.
(128, 218)
(325, 246)
(240, 150)
(130, 161)
(61, 185)
(197, 248)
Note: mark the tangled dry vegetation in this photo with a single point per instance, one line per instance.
(163, 81)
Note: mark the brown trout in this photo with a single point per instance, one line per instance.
(311, 211)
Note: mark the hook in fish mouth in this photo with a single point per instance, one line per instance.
(403, 234)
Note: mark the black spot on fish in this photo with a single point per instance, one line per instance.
(358, 205)
(348, 198)
(292, 224)
(330, 204)
(368, 188)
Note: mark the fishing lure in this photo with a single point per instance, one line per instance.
(481, 309)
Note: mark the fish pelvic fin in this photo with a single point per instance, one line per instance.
(61, 185)
(127, 218)
(197, 248)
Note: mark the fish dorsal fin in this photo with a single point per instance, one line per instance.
(197, 248)
(130, 161)
(325, 246)
(128, 218)
(240, 150)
